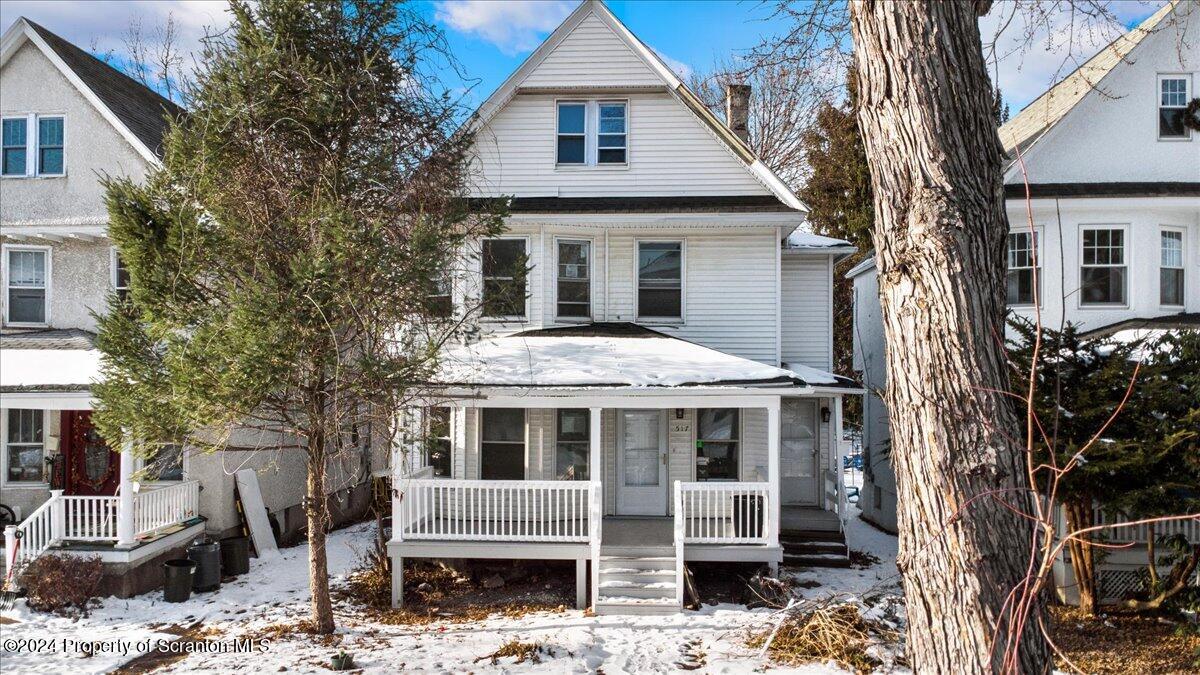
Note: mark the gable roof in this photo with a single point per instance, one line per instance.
(674, 86)
(136, 111)
(1035, 119)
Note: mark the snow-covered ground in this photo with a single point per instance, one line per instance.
(710, 640)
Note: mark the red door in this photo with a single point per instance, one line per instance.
(91, 467)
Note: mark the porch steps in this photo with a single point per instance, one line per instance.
(814, 548)
(637, 580)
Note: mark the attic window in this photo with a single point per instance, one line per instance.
(1172, 106)
(592, 133)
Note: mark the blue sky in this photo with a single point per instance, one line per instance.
(491, 38)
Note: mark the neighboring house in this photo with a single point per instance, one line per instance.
(1114, 178)
(655, 388)
(69, 120)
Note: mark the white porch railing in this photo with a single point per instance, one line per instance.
(495, 510)
(1140, 534)
(723, 513)
(162, 506)
(86, 518)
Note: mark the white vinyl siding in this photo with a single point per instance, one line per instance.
(592, 55)
(806, 310)
(670, 153)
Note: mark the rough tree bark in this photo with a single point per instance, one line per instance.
(1079, 517)
(940, 227)
(317, 511)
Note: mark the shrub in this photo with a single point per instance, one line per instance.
(62, 584)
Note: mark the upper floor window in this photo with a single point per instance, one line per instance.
(574, 279)
(591, 133)
(41, 157)
(717, 444)
(660, 280)
(1172, 106)
(571, 443)
(1102, 274)
(120, 275)
(1170, 279)
(504, 278)
(26, 285)
(25, 446)
(1022, 268)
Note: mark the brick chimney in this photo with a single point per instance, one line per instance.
(737, 110)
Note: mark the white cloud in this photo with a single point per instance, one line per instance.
(1030, 55)
(682, 70)
(514, 26)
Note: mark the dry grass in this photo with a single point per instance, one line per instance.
(521, 651)
(1125, 643)
(827, 633)
(284, 629)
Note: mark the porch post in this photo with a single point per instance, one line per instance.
(58, 516)
(838, 457)
(397, 582)
(595, 466)
(773, 511)
(125, 531)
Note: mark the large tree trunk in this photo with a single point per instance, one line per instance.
(318, 517)
(940, 228)
(1083, 557)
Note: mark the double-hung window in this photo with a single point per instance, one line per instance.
(14, 137)
(717, 440)
(439, 302)
(1103, 272)
(592, 133)
(437, 440)
(1170, 275)
(660, 280)
(120, 275)
(25, 446)
(502, 444)
(27, 282)
(571, 444)
(1173, 92)
(50, 146)
(574, 285)
(504, 274)
(1023, 262)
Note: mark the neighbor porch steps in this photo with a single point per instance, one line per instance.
(637, 580)
(814, 548)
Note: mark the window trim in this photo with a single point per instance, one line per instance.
(1127, 255)
(1037, 269)
(4, 287)
(1183, 250)
(591, 242)
(529, 275)
(591, 134)
(479, 441)
(1158, 106)
(24, 485)
(33, 144)
(740, 440)
(637, 282)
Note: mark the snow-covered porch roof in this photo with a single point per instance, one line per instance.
(51, 369)
(608, 360)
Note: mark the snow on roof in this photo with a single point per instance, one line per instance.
(48, 369)
(802, 239)
(548, 359)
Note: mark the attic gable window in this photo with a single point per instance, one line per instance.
(32, 145)
(14, 141)
(592, 133)
(1173, 95)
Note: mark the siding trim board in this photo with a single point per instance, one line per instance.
(1113, 189)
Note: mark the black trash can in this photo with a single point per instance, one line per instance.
(747, 516)
(235, 556)
(178, 584)
(207, 556)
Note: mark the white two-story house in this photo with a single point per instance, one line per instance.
(68, 120)
(651, 385)
(1112, 174)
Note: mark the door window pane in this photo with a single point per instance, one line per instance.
(717, 435)
(504, 271)
(660, 279)
(25, 446)
(571, 444)
(640, 443)
(574, 279)
(502, 444)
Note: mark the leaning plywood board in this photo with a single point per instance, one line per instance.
(256, 513)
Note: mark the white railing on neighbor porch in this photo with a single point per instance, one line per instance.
(1137, 534)
(495, 510)
(723, 513)
(86, 518)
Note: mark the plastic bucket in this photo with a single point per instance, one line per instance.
(178, 575)
(235, 556)
(207, 556)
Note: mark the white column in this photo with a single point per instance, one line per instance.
(10, 547)
(596, 466)
(773, 510)
(458, 446)
(581, 596)
(837, 460)
(397, 582)
(58, 516)
(125, 532)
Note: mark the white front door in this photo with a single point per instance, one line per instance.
(642, 463)
(798, 452)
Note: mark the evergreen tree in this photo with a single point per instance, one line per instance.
(283, 256)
